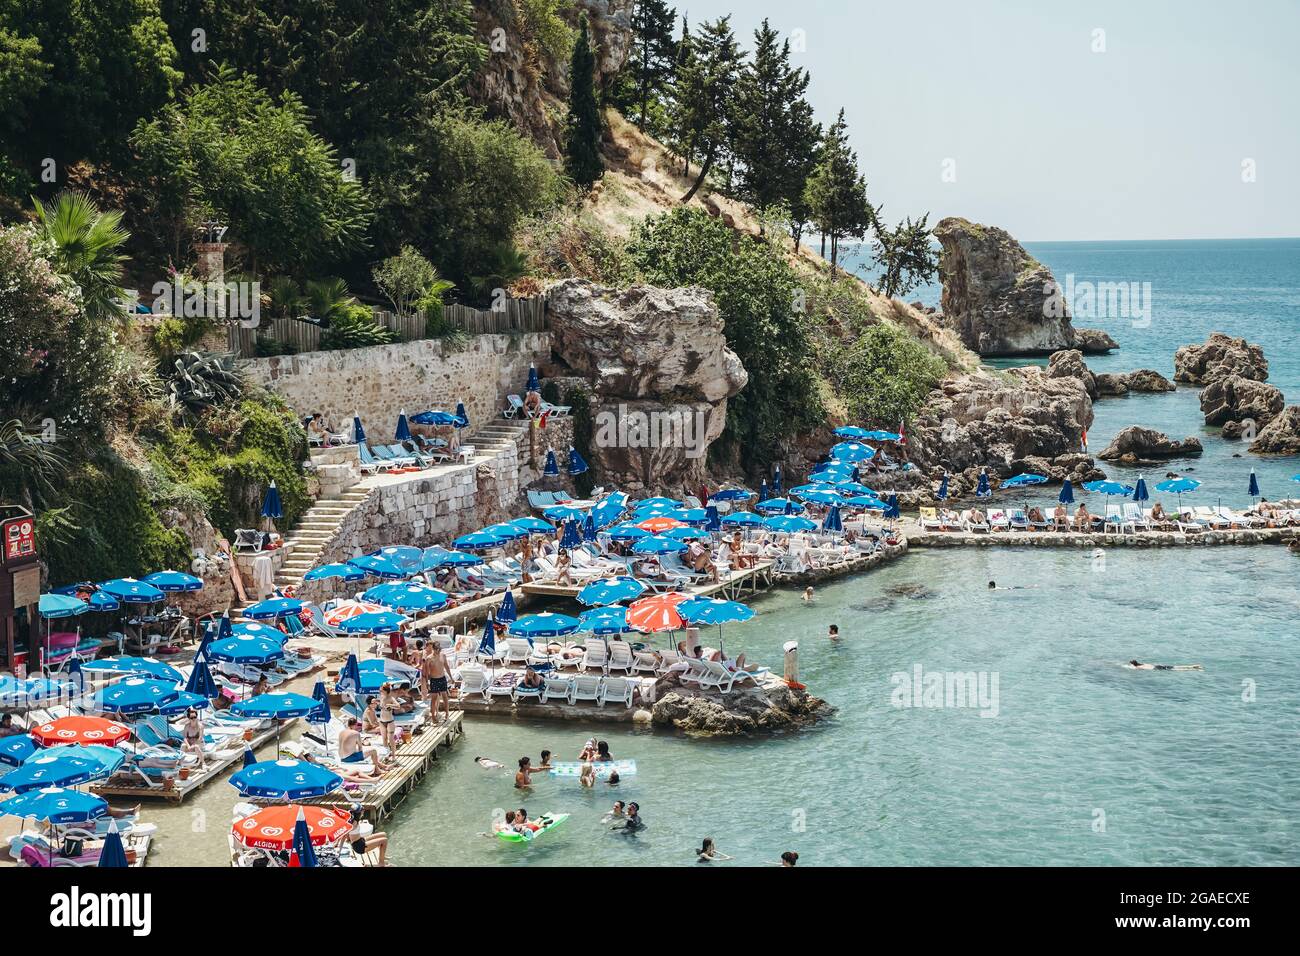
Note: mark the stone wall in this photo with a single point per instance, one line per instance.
(422, 510)
(381, 381)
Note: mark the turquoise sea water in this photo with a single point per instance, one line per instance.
(1245, 287)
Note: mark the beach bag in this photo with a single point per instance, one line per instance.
(71, 847)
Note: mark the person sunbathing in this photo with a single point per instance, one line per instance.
(699, 560)
(736, 556)
(352, 751)
(362, 842)
(532, 679)
(1060, 519)
(977, 517)
(1158, 514)
(370, 717)
(347, 773)
(563, 575)
(1036, 516)
(1082, 520)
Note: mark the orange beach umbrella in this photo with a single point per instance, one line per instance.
(271, 828)
(80, 730)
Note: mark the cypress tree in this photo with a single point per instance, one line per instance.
(582, 140)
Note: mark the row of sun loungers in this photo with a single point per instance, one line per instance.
(415, 455)
(1128, 517)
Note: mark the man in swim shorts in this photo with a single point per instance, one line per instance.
(435, 669)
(350, 749)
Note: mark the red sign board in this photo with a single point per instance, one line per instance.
(19, 537)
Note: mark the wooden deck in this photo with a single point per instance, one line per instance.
(133, 787)
(733, 586)
(414, 760)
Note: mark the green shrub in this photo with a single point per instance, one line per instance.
(355, 329)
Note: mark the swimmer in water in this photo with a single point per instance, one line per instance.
(488, 764)
(1139, 666)
(808, 594)
(615, 813)
(632, 820)
(834, 632)
(708, 852)
(993, 586)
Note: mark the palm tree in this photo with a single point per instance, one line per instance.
(27, 464)
(327, 300)
(87, 245)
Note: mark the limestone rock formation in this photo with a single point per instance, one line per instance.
(744, 710)
(1147, 380)
(1281, 436)
(983, 420)
(657, 363)
(1094, 342)
(1068, 363)
(1136, 443)
(1219, 357)
(1236, 399)
(996, 296)
(1112, 383)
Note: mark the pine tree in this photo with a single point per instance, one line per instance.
(776, 137)
(905, 255)
(653, 57)
(836, 192)
(678, 128)
(706, 94)
(582, 140)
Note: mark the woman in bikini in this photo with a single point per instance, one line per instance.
(386, 707)
(193, 742)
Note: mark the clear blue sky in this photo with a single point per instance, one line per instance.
(1049, 139)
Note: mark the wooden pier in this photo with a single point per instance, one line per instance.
(132, 787)
(414, 759)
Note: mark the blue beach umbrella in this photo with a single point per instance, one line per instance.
(321, 713)
(712, 520)
(825, 497)
(609, 509)
(249, 757)
(506, 611)
(732, 494)
(801, 490)
(605, 620)
(343, 572)
(788, 524)
(100, 601)
(285, 780)
(686, 533)
(626, 532)
(564, 513)
(576, 465)
(703, 610)
(534, 385)
(350, 675)
(253, 629)
(832, 520)
(1253, 488)
(852, 451)
(182, 702)
(132, 591)
(1022, 480)
(777, 506)
(571, 538)
(552, 468)
(407, 597)
(882, 436)
(50, 768)
(139, 666)
(275, 706)
(358, 433)
(851, 431)
(588, 529)
(56, 805)
(530, 525)
(61, 605)
(776, 480)
(112, 855)
(135, 695)
(462, 417)
(245, 649)
(658, 544)
(642, 512)
(449, 559)
(611, 591)
(478, 540)
(379, 567)
(746, 519)
(271, 507)
(487, 645)
(405, 556)
(374, 622)
(942, 493)
(1140, 492)
(507, 530)
(892, 510)
(108, 758)
(691, 515)
(432, 417)
(1066, 497)
(14, 750)
(1177, 486)
(174, 581)
(403, 430)
(763, 492)
(302, 847)
(982, 489)
(545, 624)
(839, 469)
(273, 608)
(223, 630)
(1108, 488)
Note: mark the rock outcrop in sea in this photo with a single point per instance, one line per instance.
(1218, 357)
(1137, 444)
(1001, 300)
(1281, 436)
(744, 710)
(657, 364)
(1236, 395)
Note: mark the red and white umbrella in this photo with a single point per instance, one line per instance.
(271, 828)
(350, 609)
(657, 613)
(660, 524)
(80, 730)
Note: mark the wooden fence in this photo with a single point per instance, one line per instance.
(514, 315)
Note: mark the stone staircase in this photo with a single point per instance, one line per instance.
(314, 528)
(496, 435)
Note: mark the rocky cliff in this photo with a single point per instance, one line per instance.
(1001, 300)
(657, 364)
(526, 84)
